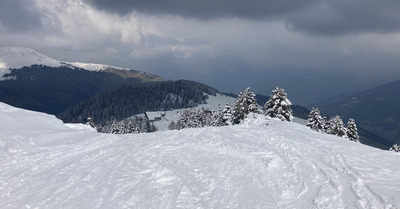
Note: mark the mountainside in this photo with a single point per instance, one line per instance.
(34, 81)
(375, 110)
(126, 101)
(258, 164)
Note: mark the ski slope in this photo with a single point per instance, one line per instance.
(258, 164)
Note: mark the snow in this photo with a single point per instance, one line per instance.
(258, 164)
(173, 115)
(18, 57)
(94, 67)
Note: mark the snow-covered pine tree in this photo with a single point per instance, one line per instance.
(352, 131)
(217, 117)
(199, 118)
(193, 118)
(245, 103)
(395, 148)
(116, 128)
(326, 124)
(183, 119)
(315, 121)
(336, 126)
(227, 114)
(278, 105)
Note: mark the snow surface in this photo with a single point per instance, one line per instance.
(18, 57)
(258, 164)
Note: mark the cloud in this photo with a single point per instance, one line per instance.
(340, 17)
(205, 9)
(20, 15)
(227, 44)
(318, 17)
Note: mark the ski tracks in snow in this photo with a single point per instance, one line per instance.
(226, 167)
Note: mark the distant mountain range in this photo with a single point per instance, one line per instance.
(376, 110)
(34, 81)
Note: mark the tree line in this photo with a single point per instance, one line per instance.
(130, 100)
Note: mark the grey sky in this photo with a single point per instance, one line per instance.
(312, 48)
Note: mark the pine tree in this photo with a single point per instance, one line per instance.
(217, 117)
(326, 124)
(315, 121)
(278, 106)
(227, 114)
(193, 118)
(183, 119)
(352, 131)
(395, 148)
(245, 103)
(336, 126)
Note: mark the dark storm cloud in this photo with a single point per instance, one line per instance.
(203, 9)
(19, 15)
(322, 17)
(344, 16)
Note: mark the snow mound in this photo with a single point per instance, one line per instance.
(14, 120)
(252, 165)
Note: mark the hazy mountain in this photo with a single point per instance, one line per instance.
(375, 110)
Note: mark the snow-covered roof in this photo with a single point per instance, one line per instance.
(153, 115)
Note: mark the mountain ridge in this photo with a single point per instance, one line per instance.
(34, 81)
(376, 109)
(19, 57)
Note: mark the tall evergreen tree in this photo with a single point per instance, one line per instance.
(245, 103)
(218, 117)
(336, 126)
(227, 114)
(278, 106)
(352, 131)
(315, 121)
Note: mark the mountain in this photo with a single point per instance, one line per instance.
(376, 110)
(257, 164)
(34, 81)
(130, 100)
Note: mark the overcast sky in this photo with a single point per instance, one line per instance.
(312, 48)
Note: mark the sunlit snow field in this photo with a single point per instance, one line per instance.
(262, 163)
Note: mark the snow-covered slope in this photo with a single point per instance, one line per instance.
(93, 66)
(18, 57)
(212, 103)
(253, 165)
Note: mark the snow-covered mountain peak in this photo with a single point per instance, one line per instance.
(18, 57)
